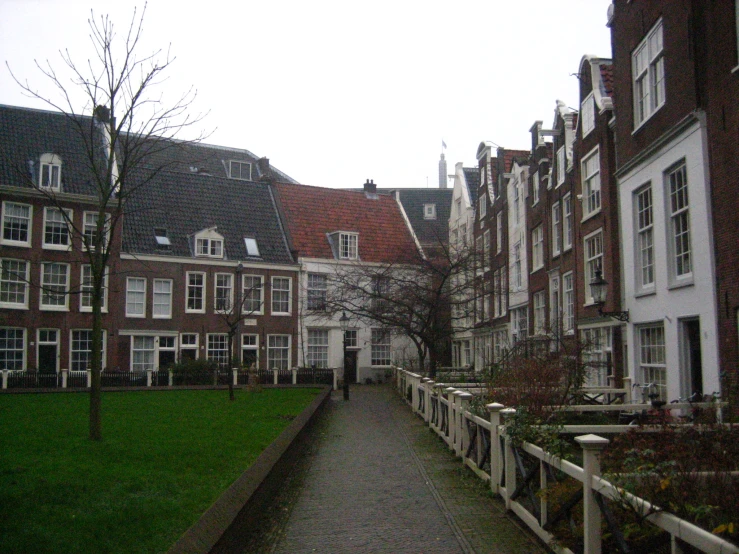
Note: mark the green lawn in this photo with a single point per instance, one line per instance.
(166, 456)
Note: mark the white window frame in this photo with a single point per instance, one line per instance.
(348, 246)
(499, 232)
(209, 247)
(247, 294)
(28, 219)
(56, 342)
(678, 224)
(592, 262)
(537, 248)
(591, 202)
(221, 287)
(44, 306)
(643, 203)
(222, 343)
(429, 211)
(517, 273)
(186, 345)
(317, 349)
(597, 354)
(72, 350)
(555, 300)
(22, 350)
(540, 312)
(146, 344)
(587, 114)
(86, 289)
(233, 165)
(65, 221)
(556, 230)
(253, 345)
(651, 357)
(520, 323)
(189, 286)
(158, 295)
(273, 348)
(89, 228)
(20, 282)
(53, 166)
(381, 347)
(252, 248)
(483, 206)
(568, 302)
(275, 299)
(485, 250)
(316, 292)
(535, 185)
(567, 222)
(138, 299)
(648, 75)
(561, 165)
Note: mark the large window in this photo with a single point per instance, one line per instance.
(499, 232)
(317, 290)
(250, 351)
(568, 302)
(381, 341)
(567, 221)
(644, 237)
(587, 114)
(554, 307)
(281, 295)
(678, 209)
(14, 284)
(556, 230)
(591, 183)
(561, 165)
(86, 290)
(143, 353)
(317, 347)
(537, 247)
(483, 205)
(648, 72)
(135, 297)
(652, 367)
(162, 301)
(210, 247)
(56, 229)
(80, 353)
(252, 294)
(12, 348)
(16, 224)
(218, 349)
(50, 172)
(593, 260)
(239, 170)
(540, 312)
(189, 346)
(517, 275)
(89, 229)
(348, 246)
(278, 352)
(195, 293)
(535, 187)
(519, 323)
(54, 286)
(224, 292)
(597, 355)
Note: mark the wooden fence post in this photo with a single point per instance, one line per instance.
(5, 378)
(89, 378)
(236, 375)
(295, 375)
(495, 459)
(65, 376)
(275, 373)
(591, 446)
(148, 376)
(464, 438)
(510, 463)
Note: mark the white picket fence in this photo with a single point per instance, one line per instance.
(445, 409)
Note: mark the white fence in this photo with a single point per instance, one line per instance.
(486, 449)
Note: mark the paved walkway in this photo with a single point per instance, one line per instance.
(377, 480)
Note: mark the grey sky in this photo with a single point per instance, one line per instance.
(335, 92)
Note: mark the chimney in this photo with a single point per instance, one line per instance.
(263, 168)
(442, 172)
(370, 187)
(102, 114)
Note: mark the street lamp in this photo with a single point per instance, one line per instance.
(344, 322)
(598, 288)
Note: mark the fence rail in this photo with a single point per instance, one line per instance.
(522, 474)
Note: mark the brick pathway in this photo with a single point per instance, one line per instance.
(378, 481)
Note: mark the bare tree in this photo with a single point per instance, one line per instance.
(124, 145)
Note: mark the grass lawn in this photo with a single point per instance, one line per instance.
(166, 456)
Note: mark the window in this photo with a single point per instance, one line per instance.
(517, 277)
(591, 184)
(252, 294)
(519, 323)
(568, 302)
(429, 211)
(554, 309)
(537, 247)
(135, 297)
(280, 295)
(250, 351)
(479, 263)
(381, 347)
(218, 349)
(317, 347)
(648, 72)
(14, 284)
(596, 355)
(516, 202)
(12, 348)
(483, 205)
(252, 249)
(50, 172)
(160, 235)
(678, 208)
(143, 352)
(317, 290)
(556, 230)
(80, 353)
(351, 338)
(54, 286)
(500, 344)
(644, 237)
(593, 260)
(162, 299)
(652, 367)
(348, 246)
(535, 186)
(16, 224)
(499, 232)
(567, 211)
(540, 312)
(210, 247)
(189, 346)
(587, 114)
(239, 170)
(224, 292)
(195, 300)
(561, 165)
(278, 351)
(486, 250)
(56, 229)
(86, 290)
(90, 232)
(463, 233)
(497, 293)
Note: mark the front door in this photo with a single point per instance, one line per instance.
(48, 354)
(350, 366)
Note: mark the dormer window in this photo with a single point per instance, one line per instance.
(160, 235)
(50, 172)
(429, 211)
(209, 243)
(587, 109)
(252, 249)
(239, 170)
(348, 246)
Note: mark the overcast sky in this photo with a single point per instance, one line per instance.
(336, 91)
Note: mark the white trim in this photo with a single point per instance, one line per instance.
(230, 296)
(51, 307)
(29, 231)
(203, 296)
(104, 345)
(88, 309)
(589, 100)
(57, 343)
(272, 295)
(67, 220)
(153, 298)
(129, 291)
(24, 362)
(25, 280)
(208, 262)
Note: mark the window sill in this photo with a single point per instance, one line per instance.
(686, 282)
(281, 314)
(136, 316)
(57, 247)
(591, 215)
(646, 292)
(89, 310)
(646, 119)
(54, 308)
(194, 311)
(15, 243)
(13, 306)
(161, 316)
(735, 70)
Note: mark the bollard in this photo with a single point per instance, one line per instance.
(65, 376)
(148, 376)
(275, 372)
(295, 375)
(336, 379)
(171, 377)
(236, 375)
(591, 446)
(89, 378)
(5, 378)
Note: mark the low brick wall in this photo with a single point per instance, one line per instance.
(221, 524)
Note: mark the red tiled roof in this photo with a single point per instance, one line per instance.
(511, 155)
(313, 212)
(606, 73)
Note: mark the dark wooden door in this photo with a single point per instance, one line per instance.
(350, 366)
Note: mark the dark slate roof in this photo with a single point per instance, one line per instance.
(312, 213)
(185, 203)
(428, 231)
(472, 176)
(606, 74)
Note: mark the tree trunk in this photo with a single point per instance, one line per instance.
(231, 358)
(96, 425)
